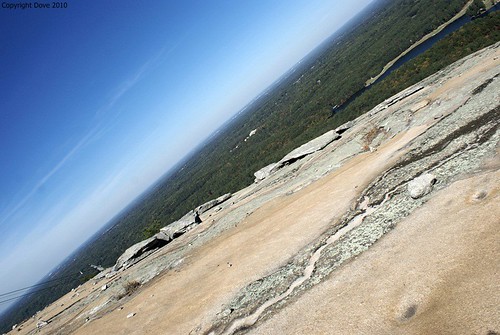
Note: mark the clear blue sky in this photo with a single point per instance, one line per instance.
(98, 100)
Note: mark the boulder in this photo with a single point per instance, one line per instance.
(179, 227)
(163, 236)
(166, 234)
(264, 172)
(137, 250)
(41, 324)
(421, 185)
(341, 129)
(306, 149)
(212, 203)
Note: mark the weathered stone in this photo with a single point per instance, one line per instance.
(403, 95)
(264, 172)
(226, 312)
(137, 250)
(163, 236)
(181, 226)
(421, 185)
(41, 324)
(342, 128)
(306, 149)
(110, 274)
(212, 203)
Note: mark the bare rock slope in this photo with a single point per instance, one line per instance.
(389, 226)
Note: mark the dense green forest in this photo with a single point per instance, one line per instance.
(296, 109)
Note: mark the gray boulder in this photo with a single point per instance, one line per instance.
(306, 149)
(212, 203)
(264, 172)
(421, 185)
(179, 227)
(163, 236)
(133, 254)
(40, 324)
(140, 250)
(341, 129)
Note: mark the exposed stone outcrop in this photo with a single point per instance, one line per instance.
(306, 149)
(397, 98)
(421, 185)
(264, 172)
(179, 227)
(140, 250)
(166, 234)
(212, 203)
(132, 254)
(41, 324)
(342, 128)
(403, 95)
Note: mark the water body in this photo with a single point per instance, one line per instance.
(452, 27)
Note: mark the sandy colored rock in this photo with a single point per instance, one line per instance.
(435, 274)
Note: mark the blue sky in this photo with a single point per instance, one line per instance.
(100, 99)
